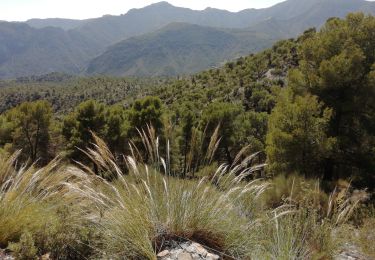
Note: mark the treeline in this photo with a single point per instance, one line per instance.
(66, 92)
(308, 103)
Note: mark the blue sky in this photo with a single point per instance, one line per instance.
(21, 10)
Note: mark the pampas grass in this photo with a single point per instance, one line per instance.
(146, 208)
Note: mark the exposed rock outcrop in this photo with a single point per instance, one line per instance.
(187, 251)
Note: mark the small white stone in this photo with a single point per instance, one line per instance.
(212, 257)
(163, 253)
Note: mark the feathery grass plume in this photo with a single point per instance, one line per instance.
(30, 202)
(291, 235)
(342, 203)
(22, 196)
(142, 211)
(307, 230)
(299, 230)
(197, 157)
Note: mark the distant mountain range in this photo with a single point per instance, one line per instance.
(177, 48)
(159, 39)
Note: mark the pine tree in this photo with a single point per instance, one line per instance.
(296, 138)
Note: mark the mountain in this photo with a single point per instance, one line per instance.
(109, 29)
(65, 24)
(185, 48)
(298, 15)
(178, 48)
(40, 46)
(29, 51)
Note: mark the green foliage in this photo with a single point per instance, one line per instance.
(296, 138)
(297, 190)
(146, 111)
(252, 130)
(117, 126)
(67, 93)
(25, 248)
(186, 49)
(6, 129)
(186, 117)
(78, 126)
(225, 116)
(337, 64)
(30, 129)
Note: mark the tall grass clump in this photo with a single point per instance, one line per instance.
(142, 211)
(145, 208)
(32, 205)
(308, 230)
(138, 207)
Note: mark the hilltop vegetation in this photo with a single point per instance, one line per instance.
(270, 156)
(66, 92)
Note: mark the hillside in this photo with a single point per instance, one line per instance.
(28, 51)
(66, 92)
(185, 49)
(41, 46)
(177, 49)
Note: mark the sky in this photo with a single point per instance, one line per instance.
(21, 10)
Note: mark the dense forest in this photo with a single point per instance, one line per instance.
(298, 118)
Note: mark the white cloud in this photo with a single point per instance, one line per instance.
(20, 10)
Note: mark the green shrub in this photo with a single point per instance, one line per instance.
(25, 248)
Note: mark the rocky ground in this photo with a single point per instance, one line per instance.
(5, 256)
(195, 251)
(187, 251)
(351, 252)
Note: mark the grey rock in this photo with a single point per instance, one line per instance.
(186, 251)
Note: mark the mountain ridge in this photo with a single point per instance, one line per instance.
(178, 48)
(68, 45)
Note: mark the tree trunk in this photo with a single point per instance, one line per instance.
(229, 157)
